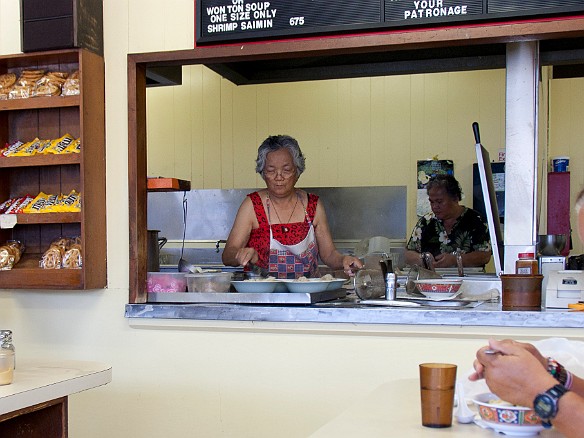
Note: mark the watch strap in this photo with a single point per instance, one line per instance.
(553, 394)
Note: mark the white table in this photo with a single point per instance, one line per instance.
(393, 410)
(36, 400)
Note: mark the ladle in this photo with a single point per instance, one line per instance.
(463, 413)
(184, 266)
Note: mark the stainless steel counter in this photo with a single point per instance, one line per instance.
(349, 311)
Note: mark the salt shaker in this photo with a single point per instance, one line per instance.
(390, 286)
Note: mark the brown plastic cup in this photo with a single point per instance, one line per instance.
(437, 382)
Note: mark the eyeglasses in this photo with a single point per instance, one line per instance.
(283, 173)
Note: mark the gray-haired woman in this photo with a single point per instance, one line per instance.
(282, 228)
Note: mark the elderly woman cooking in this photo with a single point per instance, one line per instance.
(450, 230)
(282, 228)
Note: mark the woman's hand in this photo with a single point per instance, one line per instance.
(445, 260)
(351, 264)
(246, 255)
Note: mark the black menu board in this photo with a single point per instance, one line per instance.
(245, 20)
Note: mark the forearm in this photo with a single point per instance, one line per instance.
(577, 385)
(229, 256)
(570, 418)
(333, 260)
(412, 257)
(475, 258)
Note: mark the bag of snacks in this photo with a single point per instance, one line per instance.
(10, 254)
(62, 253)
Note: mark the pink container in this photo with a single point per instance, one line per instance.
(166, 282)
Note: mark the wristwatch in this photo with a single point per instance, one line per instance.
(545, 404)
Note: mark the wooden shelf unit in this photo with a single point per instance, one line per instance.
(82, 116)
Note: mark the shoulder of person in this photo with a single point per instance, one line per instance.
(473, 213)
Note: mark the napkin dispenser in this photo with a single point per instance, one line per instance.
(563, 288)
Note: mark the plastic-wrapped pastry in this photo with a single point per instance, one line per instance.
(52, 258)
(64, 252)
(72, 258)
(10, 254)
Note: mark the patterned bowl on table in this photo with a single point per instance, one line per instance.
(439, 288)
(506, 418)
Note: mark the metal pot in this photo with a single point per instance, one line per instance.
(153, 246)
(551, 244)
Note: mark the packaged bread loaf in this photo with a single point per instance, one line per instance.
(50, 84)
(62, 253)
(72, 257)
(71, 85)
(10, 254)
(7, 81)
(52, 258)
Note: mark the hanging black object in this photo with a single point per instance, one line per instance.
(65, 24)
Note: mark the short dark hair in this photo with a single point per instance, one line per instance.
(447, 183)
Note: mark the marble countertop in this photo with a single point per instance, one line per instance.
(38, 382)
(350, 311)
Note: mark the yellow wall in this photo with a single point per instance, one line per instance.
(354, 132)
(244, 379)
(566, 137)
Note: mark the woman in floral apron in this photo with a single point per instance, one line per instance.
(282, 228)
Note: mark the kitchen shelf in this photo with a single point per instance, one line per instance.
(48, 218)
(82, 116)
(168, 185)
(37, 278)
(40, 160)
(39, 103)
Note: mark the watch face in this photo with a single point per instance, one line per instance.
(544, 406)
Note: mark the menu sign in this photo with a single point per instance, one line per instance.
(244, 20)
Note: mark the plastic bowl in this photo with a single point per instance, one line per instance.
(505, 418)
(439, 288)
(209, 282)
(166, 282)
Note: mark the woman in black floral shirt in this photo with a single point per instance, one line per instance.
(449, 228)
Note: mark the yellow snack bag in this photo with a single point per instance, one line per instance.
(43, 146)
(59, 145)
(37, 204)
(52, 204)
(74, 147)
(71, 202)
(27, 149)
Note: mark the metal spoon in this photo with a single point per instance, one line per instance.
(262, 272)
(463, 413)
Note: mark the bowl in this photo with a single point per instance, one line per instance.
(166, 282)
(310, 285)
(551, 244)
(255, 286)
(209, 282)
(438, 288)
(506, 418)
(335, 283)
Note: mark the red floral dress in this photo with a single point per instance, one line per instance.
(286, 234)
